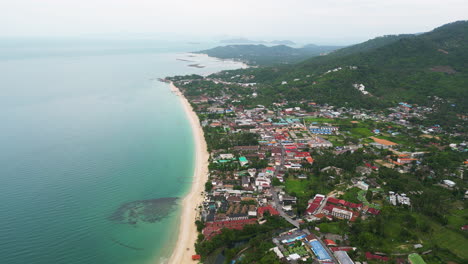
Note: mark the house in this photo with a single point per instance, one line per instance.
(243, 161)
(382, 143)
(343, 257)
(329, 242)
(406, 160)
(245, 182)
(363, 170)
(226, 156)
(315, 203)
(362, 185)
(449, 183)
(261, 210)
(371, 256)
(246, 148)
(334, 169)
(252, 211)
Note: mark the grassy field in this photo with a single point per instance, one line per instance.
(297, 186)
(310, 120)
(351, 195)
(336, 140)
(332, 227)
(451, 240)
(305, 188)
(458, 218)
(361, 132)
(361, 196)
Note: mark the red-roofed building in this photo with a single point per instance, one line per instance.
(290, 147)
(373, 211)
(263, 209)
(371, 166)
(213, 228)
(333, 200)
(329, 242)
(371, 256)
(315, 204)
(341, 249)
(351, 205)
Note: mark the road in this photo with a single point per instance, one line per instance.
(276, 202)
(279, 208)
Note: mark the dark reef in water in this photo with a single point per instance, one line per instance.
(125, 245)
(143, 211)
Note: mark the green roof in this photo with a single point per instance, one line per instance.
(243, 159)
(416, 259)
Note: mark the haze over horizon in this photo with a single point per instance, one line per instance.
(330, 22)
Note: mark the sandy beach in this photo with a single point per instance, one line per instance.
(184, 248)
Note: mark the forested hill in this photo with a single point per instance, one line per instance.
(268, 55)
(407, 68)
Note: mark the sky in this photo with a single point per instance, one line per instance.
(322, 22)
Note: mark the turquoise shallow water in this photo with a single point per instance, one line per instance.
(82, 135)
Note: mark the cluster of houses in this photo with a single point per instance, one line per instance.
(242, 196)
(321, 207)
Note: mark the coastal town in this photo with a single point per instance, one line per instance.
(324, 184)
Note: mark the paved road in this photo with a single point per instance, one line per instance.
(278, 207)
(276, 201)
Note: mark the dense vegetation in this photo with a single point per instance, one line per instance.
(254, 241)
(268, 55)
(393, 69)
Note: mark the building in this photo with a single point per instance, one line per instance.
(243, 161)
(449, 183)
(382, 143)
(342, 213)
(362, 185)
(319, 251)
(343, 257)
(315, 203)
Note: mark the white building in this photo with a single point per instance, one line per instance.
(362, 185)
(449, 183)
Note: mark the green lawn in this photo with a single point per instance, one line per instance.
(416, 259)
(305, 188)
(297, 186)
(361, 132)
(451, 240)
(351, 195)
(309, 120)
(332, 227)
(336, 140)
(361, 196)
(458, 218)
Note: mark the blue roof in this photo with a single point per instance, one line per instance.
(320, 131)
(406, 105)
(319, 251)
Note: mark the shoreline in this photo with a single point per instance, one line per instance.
(187, 231)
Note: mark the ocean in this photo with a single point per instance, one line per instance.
(94, 151)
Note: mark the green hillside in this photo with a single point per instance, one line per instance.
(392, 69)
(268, 55)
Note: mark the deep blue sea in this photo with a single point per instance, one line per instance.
(91, 147)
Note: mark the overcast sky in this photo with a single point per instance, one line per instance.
(324, 21)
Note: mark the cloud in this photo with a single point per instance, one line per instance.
(272, 18)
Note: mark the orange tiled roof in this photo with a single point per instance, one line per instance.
(383, 141)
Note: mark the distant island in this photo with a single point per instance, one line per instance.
(248, 41)
(268, 55)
